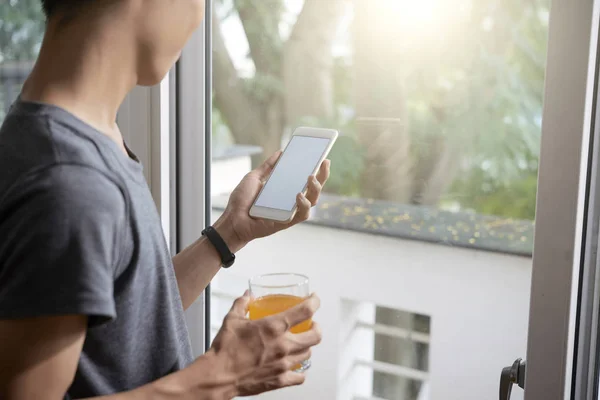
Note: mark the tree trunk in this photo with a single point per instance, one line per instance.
(383, 131)
(382, 121)
(308, 62)
(435, 171)
(260, 115)
(241, 114)
(274, 128)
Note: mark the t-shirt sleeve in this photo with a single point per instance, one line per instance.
(59, 245)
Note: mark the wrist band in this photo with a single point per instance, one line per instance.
(227, 257)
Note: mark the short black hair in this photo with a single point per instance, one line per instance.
(49, 6)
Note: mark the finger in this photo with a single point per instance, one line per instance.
(303, 211)
(285, 379)
(301, 312)
(240, 305)
(290, 378)
(314, 190)
(300, 342)
(265, 169)
(324, 172)
(293, 361)
(299, 357)
(288, 363)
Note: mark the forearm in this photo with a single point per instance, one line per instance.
(205, 379)
(197, 264)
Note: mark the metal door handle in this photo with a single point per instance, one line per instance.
(510, 376)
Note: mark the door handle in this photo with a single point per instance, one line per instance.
(513, 375)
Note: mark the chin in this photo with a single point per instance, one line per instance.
(151, 79)
(154, 75)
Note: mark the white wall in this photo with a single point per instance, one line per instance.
(478, 302)
(227, 173)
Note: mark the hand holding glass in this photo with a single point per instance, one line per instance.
(275, 293)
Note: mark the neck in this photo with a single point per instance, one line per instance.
(87, 68)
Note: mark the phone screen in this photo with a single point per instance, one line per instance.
(289, 178)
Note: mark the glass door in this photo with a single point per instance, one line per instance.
(421, 248)
(466, 127)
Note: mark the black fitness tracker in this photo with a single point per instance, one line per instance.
(227, 257)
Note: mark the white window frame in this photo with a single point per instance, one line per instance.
(193, 161)
(145, 122)
(563, 184)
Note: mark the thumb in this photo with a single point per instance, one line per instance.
(264, 170)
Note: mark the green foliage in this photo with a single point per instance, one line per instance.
(347, 160)
(512, 199)
(485, 97)
(220, 134)
(342, 81)
(347, 156)
(478, 92)
(261, 87)
(21, 29)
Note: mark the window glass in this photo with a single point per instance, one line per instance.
(421, 246)
(21, 31)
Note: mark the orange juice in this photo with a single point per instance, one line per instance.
(274, 304)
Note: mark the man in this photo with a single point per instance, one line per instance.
(91, 303)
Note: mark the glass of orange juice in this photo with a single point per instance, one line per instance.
(275, 293)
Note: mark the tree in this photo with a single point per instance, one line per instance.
(21, 30)
(425, 111)
(418, 133)
(293, 77)
(421, 122)
(436, 117)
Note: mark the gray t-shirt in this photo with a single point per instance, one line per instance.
(80, 234)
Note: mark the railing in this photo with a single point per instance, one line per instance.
(395, 332)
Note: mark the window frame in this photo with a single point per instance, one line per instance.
(586, 364)
(556, 363)
(145, 122)
(193, 152)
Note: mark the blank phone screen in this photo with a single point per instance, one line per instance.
(289, 178)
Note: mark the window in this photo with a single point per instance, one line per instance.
(398, 367)
(429, 212)
(21, 34)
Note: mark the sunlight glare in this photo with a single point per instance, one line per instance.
(420, 24)
(418, 14)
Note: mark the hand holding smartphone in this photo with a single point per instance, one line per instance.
(301, 158)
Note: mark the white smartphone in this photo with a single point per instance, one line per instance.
(301, 158)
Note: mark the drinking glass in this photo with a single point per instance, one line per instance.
(275, 293)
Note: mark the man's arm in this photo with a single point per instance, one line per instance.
(40, 357)
(36, 366)
(197, 264)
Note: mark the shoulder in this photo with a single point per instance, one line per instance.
(67, 192)
(35, 136)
